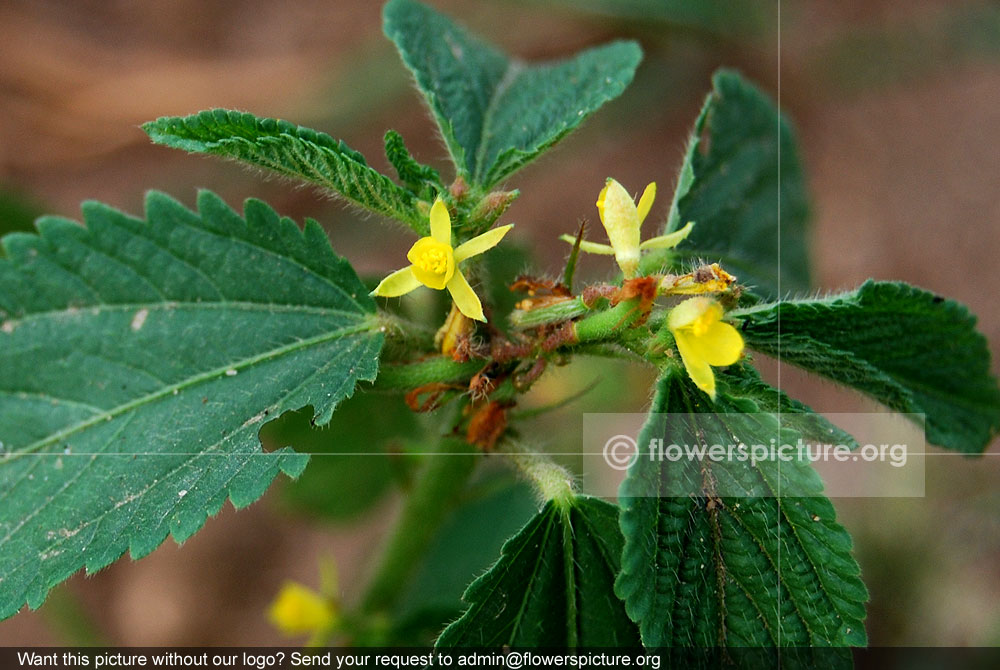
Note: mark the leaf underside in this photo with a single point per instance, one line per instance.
(497, 114)
(757, 570)
(291, 151)
(552, 586)
(139, 359)
(911, 350)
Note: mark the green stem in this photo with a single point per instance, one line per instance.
(598, 324)
(607, 324)
(609, 350)
(552, 481)
(405, 376)
(435, 492)
(560, 311)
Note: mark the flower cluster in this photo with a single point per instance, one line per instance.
(703, 339)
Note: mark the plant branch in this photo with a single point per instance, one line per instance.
(609, 323)
(554, 313)
(552, 481)
(434, 369)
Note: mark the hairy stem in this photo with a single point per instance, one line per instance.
(552, 481)
(560, 311)
(405, 376)
(609, 323)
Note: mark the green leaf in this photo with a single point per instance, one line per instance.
(742, 381)
(498, 114)
(552, 586)
(754, 570)
(911, 350)
(139, 360)
(419, 178)
(292, 151)
(745, 190)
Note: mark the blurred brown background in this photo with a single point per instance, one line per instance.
(897, 105)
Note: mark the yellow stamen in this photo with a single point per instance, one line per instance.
(435, 263)
(433, 260)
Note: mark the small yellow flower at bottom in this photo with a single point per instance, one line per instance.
(704, 340)
(435, 264)
(298, 610)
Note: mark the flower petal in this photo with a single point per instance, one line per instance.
(621, 222)
(456, 327)
(481, 243)
(441, 222)
(721, 344)
(590, 247)
(398, 283)
(600, 199)
(697, 368)
(646, 201)
(670, 240)
(465, 298)
(692, 309)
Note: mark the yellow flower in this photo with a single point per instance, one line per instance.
(703, 340)
(435, 264)
(622, 220)
(298, 610)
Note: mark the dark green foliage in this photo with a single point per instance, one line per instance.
(909, 349)
(552, 587)
(141, 357)
(497, 114)
(292, 151)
